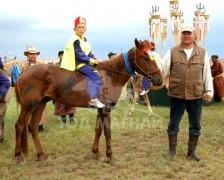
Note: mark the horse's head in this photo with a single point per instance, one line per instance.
(146, 65)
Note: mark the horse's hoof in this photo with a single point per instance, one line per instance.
(19, 160)
(130, 113)
(101, 159)
(113, 162)
(42, 157)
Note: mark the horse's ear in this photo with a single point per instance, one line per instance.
(136, 42)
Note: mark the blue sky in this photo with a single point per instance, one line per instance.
(112, 25)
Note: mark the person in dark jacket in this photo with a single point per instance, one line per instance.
(218, 80)
(4, 87)
(4, 83)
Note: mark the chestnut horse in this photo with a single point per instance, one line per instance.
(38, 84)
(137, 86)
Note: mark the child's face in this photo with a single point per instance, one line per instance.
(80, 29)
(60, 56)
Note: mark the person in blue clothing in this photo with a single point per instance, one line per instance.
(78, 56)
(4, 87)
(4, 84)
(145, 81)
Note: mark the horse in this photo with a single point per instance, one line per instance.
(42, 83)
(137, 86)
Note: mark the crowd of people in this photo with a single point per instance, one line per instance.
(187, 66)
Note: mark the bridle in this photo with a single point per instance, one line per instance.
(132, 71)
(147, 75)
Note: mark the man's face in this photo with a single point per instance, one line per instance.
(60, 56)
(32, 57)
(80, 29)
(187, 37)
(214, 59)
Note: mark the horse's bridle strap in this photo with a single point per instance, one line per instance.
(127, 64)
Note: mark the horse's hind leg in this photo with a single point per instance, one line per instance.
(146, 99)
(21, 136)
(135, 99)
(34, 124)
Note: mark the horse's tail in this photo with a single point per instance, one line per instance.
(24, 139)
(17, 99)
(17, 94)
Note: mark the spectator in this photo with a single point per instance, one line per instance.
(218, 81)
(111, 54)
(4, 87)
(32, 54)
(4, 84)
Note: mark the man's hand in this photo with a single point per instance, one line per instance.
(207, 98)
(97, 61)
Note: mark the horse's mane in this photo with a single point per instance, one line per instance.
(113, 65)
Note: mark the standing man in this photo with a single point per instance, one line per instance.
(60, 109)
(32, 54)
(190, 81)
(218, 80)
(78, 56)
(4, 87)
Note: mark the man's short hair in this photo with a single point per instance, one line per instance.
(215, 56)
(60, 52)
(111, 54)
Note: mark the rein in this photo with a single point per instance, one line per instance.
(128, 67)
(113, 70)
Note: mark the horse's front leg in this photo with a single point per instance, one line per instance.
(98, 131)
(135, 99)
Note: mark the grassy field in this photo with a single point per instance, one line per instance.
(138, 144)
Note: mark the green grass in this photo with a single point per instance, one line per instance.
(138, 144)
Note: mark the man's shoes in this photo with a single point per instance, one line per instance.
(2, 99)
(144, 92)
(96, 102)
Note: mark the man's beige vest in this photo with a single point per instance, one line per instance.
(186, 77)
